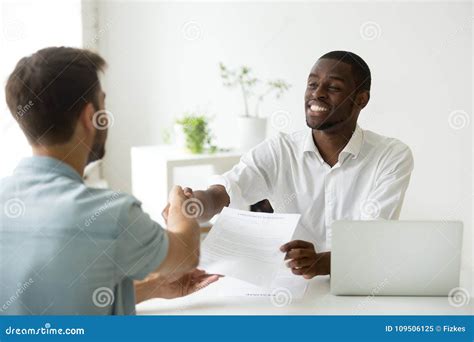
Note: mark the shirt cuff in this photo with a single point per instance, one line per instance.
(219, 180)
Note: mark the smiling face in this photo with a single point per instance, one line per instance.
(331, 97)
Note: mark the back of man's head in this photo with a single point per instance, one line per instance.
(47, 91)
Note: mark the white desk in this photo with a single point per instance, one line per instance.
(317, 301)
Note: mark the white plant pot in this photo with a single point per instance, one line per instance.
(252, 131)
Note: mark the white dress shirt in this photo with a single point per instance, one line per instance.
(368, 181)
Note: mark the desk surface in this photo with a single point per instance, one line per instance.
(316, 301)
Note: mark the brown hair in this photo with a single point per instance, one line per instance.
(48, 90)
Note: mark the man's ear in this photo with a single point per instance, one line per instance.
(362, 99)
(86, 117)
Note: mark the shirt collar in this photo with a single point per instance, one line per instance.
(355, 143)
(310, 146)
(48, 164)
(352, 147)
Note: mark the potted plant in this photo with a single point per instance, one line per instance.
(195, 130)
(252, 125)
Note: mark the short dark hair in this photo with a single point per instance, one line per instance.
(47, 91)
(360, 69)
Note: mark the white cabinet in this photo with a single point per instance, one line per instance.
(155, 169)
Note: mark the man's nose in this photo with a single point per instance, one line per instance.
(319, 93)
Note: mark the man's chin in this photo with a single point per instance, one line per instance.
(319, 125)
(322, 125)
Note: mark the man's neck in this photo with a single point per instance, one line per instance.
(73, 156)
(330, 144)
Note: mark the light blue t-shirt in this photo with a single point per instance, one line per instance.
(66, 248)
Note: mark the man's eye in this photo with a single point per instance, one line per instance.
(333, 88)
(312, 85)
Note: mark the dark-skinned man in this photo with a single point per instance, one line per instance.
(333, 170)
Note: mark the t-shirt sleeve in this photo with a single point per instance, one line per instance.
(142, 244)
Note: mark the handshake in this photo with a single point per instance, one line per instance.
(184, 199)
(200, 205)
(185, 207)
(301, 256)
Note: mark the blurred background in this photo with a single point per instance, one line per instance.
(166, 89)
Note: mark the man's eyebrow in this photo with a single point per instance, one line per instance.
(339, 78)
(336, 77)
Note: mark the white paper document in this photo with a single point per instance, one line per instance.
(246, 246)
(286, 283)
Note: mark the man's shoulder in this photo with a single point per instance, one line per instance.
(105, 208)
(384, 143)
(388, 148)
(109, 197)
(293, 137)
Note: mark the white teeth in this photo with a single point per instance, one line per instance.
(316, 108)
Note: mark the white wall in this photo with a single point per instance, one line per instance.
(23, 32)
(421, 61)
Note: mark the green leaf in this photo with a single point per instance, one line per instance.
(197, 133)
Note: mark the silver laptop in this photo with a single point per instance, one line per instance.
(395, 258)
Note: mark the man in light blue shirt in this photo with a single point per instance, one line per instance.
(66, 248)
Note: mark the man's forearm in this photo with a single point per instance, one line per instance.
(213, 200)
(154, 286)
(183, 240)
(144, 291)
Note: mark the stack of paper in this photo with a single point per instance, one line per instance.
(246, 246)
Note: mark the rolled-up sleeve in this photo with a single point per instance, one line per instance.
(142, 244)
(253, 178)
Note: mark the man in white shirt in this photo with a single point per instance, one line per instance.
(334, 171)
